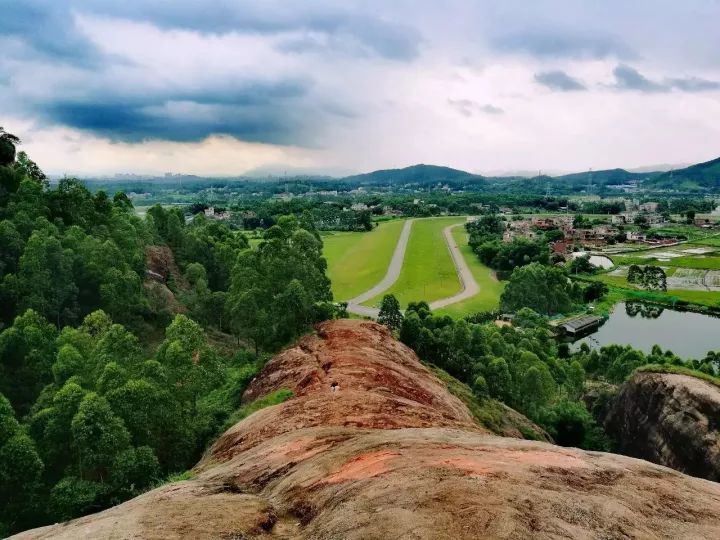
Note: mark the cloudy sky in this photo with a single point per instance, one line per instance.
(234, 86)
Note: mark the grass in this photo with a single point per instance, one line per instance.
(428, 272)
(701, 263)
(679, 370)
(273, 398)
(488, 299)
(626, 291)
(489, 413)
(359, 260)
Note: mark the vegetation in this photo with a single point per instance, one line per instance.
(545, 289)
(428, 271)
(357, 261)
(488, 298)
(518, 366)
(94, 410)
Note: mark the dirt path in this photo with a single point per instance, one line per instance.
(391, 276)
(469, 286)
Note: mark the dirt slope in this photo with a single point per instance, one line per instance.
(373, 446)
(669, 419)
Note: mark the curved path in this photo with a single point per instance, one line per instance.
(469, 287)
(391, 276)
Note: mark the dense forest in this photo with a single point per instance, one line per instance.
(110, 381)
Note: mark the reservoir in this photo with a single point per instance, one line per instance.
(687, 334)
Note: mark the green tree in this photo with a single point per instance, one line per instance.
(498, 379)
(98, 437)
(390, 314)
(8, 142)
(20, 471)
(544, 289)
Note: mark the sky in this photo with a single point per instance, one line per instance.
(231, 87)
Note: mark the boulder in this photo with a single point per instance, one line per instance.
(669, 419)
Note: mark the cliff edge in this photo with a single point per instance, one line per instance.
(372, 445)
(669, 419)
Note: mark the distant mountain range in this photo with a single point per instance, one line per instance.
(692, 178)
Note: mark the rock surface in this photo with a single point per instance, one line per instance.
(669, 419)
(373, 446)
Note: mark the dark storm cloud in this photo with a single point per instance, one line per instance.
(43, 29)
(629, 78)
(561, 44)
(257, 112)
(46, 34)
(346, 30)
(559, 80)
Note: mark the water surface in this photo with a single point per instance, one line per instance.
(689, 335)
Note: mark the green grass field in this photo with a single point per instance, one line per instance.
(699, 262)
(359, 260)
(488, 299)
(428, 272)
(705, 298)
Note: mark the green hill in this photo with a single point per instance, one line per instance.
(420, 174)
(696, 177)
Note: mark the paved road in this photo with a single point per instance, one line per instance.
(470, 287)
(391, 276)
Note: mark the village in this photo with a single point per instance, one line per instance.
(633, 229)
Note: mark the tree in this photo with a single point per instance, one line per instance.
(536, 389)
(594, 291)
(98, 437)
(581, 265)
(20, 471)
(275, 288)
(30, 169)
(26, 352)
(547, 290)
(575, 383)
(498, 379)
(8, 142)
(390, 314)
(45, 278)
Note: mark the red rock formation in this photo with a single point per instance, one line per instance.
(373, 446)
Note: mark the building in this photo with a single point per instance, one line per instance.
(650, 207)
(579, 325)
(634, 236)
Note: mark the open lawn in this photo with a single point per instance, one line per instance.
(488, 299)
(428, 272)
(359, 260)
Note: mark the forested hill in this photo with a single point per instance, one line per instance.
(695, 177)
(421, 174)
(113, 377)
(604, 177)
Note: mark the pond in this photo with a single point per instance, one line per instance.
(687, 334)
(599, 261)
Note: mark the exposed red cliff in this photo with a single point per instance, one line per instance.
(373, 446)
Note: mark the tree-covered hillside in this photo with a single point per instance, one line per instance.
(702, 176)
(115, 375)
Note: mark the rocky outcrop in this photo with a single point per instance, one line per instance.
(668, 419)
(372, 445)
